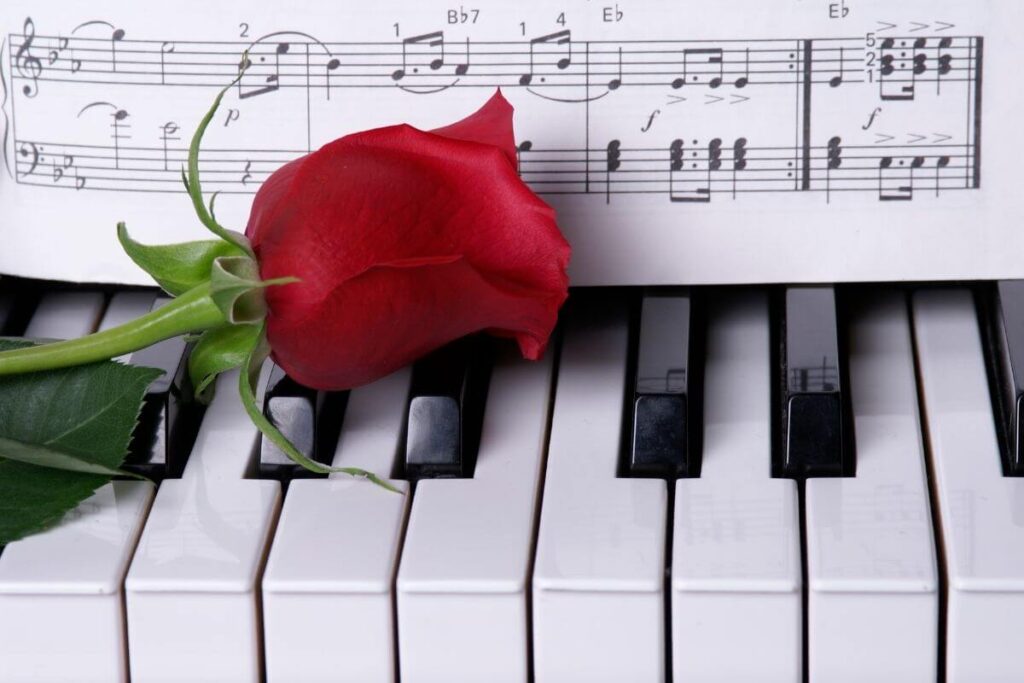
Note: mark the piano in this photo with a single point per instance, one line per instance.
(765, 483)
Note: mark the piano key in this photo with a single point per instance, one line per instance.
(813, 407)
(598, 582)
(17, 302)
(54, 582)
(666, 402)
(736, 564)
(170, 418)
(61, 605)
(126, 306)
(7, 302)
(445, 410)
(65, 315)
(872, 574)
(979, 509)
(1003, 334)
(191, 592)
(310, 419)
(468, 545)
(327, 590)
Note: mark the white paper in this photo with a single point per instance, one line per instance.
(903, 163)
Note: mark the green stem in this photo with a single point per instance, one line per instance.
(193, 311)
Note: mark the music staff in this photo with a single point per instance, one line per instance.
(684, 167)
(423, 62)
(693, 172)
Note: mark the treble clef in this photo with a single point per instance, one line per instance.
(27, 64)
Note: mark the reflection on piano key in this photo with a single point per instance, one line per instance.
(979, 509)
(667, 421)
(736, 568)
(327, 589)
(193, 584)
(871, 561)
(601, 544)
(468, 547)
(61, 600)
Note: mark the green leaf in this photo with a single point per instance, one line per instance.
(236, 288)
(219, 350)
(84, 413)
(42, 456)
(176, 267)
(247, 381)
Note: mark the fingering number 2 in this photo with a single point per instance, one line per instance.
(244, 27)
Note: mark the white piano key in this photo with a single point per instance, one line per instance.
(327, 590)
(598, 583)
(125, 307)
(736, 565)
(65, 315)
(61, 609)
(461, 590)
(191, 592)
(981, 512)
(872, 574)
(53, 583)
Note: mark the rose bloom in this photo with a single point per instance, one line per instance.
(404, 240)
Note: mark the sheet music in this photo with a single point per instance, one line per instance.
(679, 141)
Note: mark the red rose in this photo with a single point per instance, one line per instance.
(404, 240)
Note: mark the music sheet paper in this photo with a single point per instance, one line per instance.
(679, 141)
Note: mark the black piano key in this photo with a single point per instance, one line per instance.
(446, 404)
(170, 416)
(310, 419)
(1003, 323)
(667, 421)
(17, 302)
(814, 421)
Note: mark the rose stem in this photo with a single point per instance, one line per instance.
(193, 311)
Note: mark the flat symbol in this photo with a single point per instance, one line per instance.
(650, 121)
(871, 120)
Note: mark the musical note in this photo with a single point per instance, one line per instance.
(167, 132)
(941, 163)
(117, 124)
(739, 160)
(691, 184)
(331, 67)
(892, 81)
(521, 148)
(613, 163)
(463, 68)
(710, 55)
(617, 81)
(562, 40)
(165, 49)
(837, 80)
(432, 40)
(116, 37)
(271, 82)
(944, 62)
(835, 161)
(904, 174)
(744, 80)
(28, 65)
